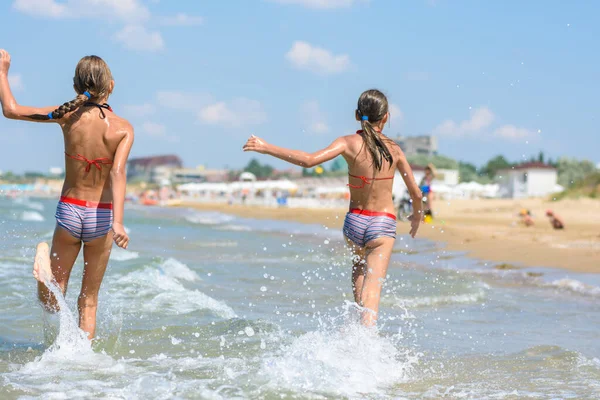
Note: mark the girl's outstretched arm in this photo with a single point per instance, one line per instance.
(10, 108)
(297, 157)
(118, 181)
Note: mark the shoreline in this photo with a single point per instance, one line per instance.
(484, 229)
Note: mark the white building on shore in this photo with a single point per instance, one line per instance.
(532, 179)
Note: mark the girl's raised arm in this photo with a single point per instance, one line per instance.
(10, 108)
(297, 157)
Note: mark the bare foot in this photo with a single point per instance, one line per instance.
(41, 265)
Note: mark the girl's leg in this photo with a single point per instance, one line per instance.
(64, 252)
(95, 255)
(358, 269)
(379, 252)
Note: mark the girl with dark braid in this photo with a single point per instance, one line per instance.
(90, 211)
(370, 225)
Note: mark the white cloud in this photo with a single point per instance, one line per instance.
(396, 114)
(154, 129)
(124, 10)
(209, 110)
(481, 118)
(237, 113)
(312, 114)
(41, 8)
(137, 37)
(182, 19)
(183, 101)
(142, 110)
(478, 126)
(512, 132)
(304, 56)
(16, 81)
(320, 4)
(158, 131)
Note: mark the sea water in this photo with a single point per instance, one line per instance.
(210, 306)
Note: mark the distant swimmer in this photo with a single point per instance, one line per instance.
(90, 210)
(555, 220)
(526, 217)
(370, 224)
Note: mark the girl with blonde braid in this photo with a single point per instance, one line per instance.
(90, 211)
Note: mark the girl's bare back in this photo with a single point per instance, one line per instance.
(92, 136)
(369, 188)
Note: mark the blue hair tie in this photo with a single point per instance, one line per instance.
(365, 118)
(86, 93)
(50, 115)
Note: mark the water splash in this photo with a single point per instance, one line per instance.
(344, 359)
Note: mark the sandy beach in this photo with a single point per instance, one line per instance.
(485, 229)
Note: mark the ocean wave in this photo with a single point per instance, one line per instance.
(235, 228)
(575, 286)
(119, 254)
(27, 203)
(208, 218)
(32, 216)
(224, 243)
(532, 278)
(161, 288)
(465, 298)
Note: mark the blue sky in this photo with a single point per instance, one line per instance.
(197, 77)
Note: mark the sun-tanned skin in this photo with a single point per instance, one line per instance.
(372, 261)
(85, 133)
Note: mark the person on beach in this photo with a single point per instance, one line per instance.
(370, 224)
(90, 210)
(425, 186)
(526, 218)
(555, 220)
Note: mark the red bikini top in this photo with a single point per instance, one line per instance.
(364, 179)
(98, 162)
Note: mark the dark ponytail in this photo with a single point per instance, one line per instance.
(66, 108)
(373, 107)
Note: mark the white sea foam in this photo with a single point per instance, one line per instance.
(32, 216)
(429, 301)
(575, 286)
(25, 202)
(236, 228)
(208, 218)
(119, 254)
(225, 243)
(161, 288)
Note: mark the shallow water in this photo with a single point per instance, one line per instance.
(206, 305)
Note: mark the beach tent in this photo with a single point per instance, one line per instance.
(331, 190)
(282, 184)
(247, 177)
(205, 187)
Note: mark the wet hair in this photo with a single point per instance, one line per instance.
(93, 76)
(372, 108)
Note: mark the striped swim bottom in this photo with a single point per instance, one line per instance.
(84, 220)
(362, 226)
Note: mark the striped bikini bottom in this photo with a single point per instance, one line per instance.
(84, 220)
(362, 226)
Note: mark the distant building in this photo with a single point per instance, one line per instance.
(198, 175)
(418, 145)
(152, 169)
(532, 179)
